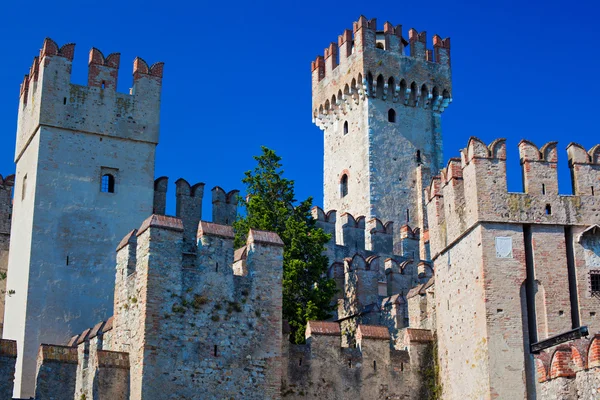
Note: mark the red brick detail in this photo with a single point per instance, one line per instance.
(372, 332)
(541, 363)
(560, 365)
(418, 335)
(210, 229)
(109, 325)
(55, 353)
(264, 237)
(594, 352)
(113, 359)
(140, 67)
(323, 328)
(130, 238)
(161, 221)
(8, 348)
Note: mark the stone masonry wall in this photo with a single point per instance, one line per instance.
(64, 225)
(56, 372)
(201, 328)
(570, 371)
(475, 221)
(380, 112)
(8, 358)
(6, 192)
(324, 369)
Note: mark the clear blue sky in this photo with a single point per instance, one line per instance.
(237, 73)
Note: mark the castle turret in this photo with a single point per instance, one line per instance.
(379, 99)
(85, 164)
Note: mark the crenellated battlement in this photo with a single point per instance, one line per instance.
(569, 368)
(366, 63)
(474, 189)
(188, 205)
(48, 98)
(326, 367)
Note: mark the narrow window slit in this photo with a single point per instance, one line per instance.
(391, 115)
(543, 188)
(215, 350)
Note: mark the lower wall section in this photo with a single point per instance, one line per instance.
(322, 369)
(584, 386)
(8, 358)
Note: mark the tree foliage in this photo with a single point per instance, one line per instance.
(270, 205)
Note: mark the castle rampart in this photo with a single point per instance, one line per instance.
(474, 189)
(528, 257)
(570, 371)
(325, 368)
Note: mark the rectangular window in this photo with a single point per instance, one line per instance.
(595, 282)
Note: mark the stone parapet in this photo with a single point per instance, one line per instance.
(367, 63)
(473, 189)
(325, 368)
(133, 115)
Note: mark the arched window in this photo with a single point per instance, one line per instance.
(345, 127)
(379, 45)
(344, 186)
(391, 115)
(24, 187)
(108, 183)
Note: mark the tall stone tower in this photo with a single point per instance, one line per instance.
(84, 176)
(380, 109)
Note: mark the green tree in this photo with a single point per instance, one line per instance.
(270, 205)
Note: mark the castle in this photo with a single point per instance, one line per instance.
(448, 284)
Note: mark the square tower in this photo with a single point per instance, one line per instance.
(380, 111)
(84, 176)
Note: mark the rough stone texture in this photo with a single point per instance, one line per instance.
(6, 192)
(68, 136)
(351, 103)
(481, 286)
(56, 372)
(570, 371)
(8, 358)
(325, 369)
(200, 328)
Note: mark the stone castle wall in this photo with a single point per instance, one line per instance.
(513, 268)
(192, 326)
(325, 369)
(6, 201)
(8, 358)
(380, 112)
(65, 223)
(570, 371)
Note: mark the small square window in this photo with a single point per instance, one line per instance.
(595, 282)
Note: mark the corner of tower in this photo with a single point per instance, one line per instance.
(48, 98)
